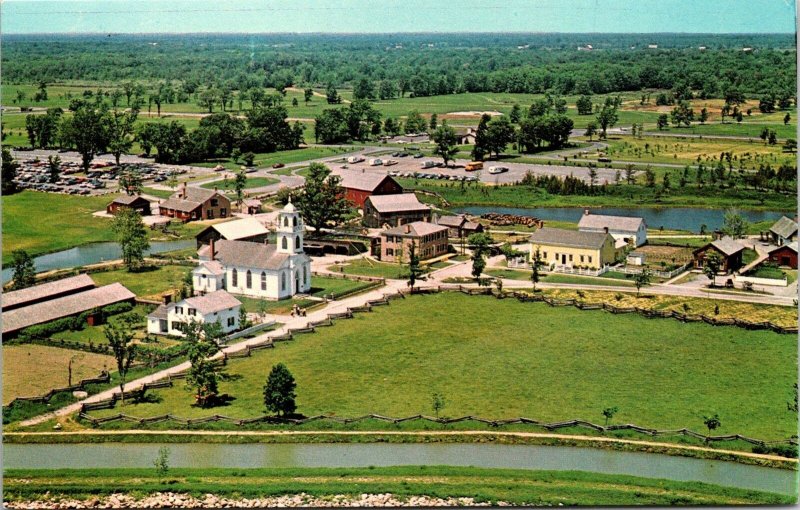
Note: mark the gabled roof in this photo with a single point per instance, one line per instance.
(618, 223)
(159, 313)
(784, 227)
(74, 284)
(194, 198)
(452, 221)
(211, 302)
(362, 181)
(415, 229)
(245, 254)
(212, 267)
(238, 229)
(569, 238)
(791, 246)
(397, 203)
(725, 245)
(73, 304)
(128, 199)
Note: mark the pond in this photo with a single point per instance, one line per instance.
(94, 253)
(259, 455)
(684, 218)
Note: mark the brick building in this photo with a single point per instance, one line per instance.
(429, 241)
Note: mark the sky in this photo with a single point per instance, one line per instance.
(377, 16)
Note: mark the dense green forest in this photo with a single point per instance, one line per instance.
(392, 65)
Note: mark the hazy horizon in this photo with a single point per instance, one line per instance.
(734, 17)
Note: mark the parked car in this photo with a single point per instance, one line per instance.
(498, 169)
(419, 155)
(278, 165)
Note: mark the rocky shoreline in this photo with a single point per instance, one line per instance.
(176, 500)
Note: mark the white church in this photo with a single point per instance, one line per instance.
(259, 270)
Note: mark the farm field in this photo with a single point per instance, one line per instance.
(521, 487)
(486, 365)
(31, 370)
(691, 151)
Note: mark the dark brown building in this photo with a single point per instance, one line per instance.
(196, 204)
(459, 226)
(729, 251)
(359, 186)
(135, 202)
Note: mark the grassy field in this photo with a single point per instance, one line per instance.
(293, 156)
(368, 267)
(30, 370)
(520, 487)
(503, 358)
(153, 281)
(96, 334)
(229, 184)
(691, 151)
(320, 287)
(44, 222)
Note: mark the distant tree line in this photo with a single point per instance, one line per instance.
(400, 65)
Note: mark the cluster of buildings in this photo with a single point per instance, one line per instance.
(59, 299)
(599, 241)
(186, 204)
(236, 258)
(404, 220)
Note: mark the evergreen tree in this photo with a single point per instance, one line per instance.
(279, 391)
(24, 273)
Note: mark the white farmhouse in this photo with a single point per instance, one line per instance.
(624, 229)
(218, 306)
(259, 270)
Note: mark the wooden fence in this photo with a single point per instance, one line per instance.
(277, 420)
(103, 378)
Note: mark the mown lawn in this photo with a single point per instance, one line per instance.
(41, 222)
(320, 286)
(503, 359)
(520, 487)
(151, 281)
(31, 370)
(229, 184)
(270, 158)
(368, 267)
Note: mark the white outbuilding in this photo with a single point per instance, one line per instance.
(218, 306)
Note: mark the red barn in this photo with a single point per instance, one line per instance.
(361, 185)
(785, 255)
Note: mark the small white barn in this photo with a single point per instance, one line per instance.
(218, 306)
(259, 270)
(628, 229)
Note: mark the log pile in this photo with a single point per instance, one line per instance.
(505, 220)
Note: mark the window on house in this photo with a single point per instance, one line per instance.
(581, 258)
(214, 202)
(305, 275)
(234, 277)
(544, 255)
(297, 243)
(570, 258)
(231, 321)
(284, 243)
(210, 214)
(192, 311)
(294, 222)
(389, 252)
(590, 259)
(283, 281)
(223, 212)
(179, 310)
(263, 280)
(285, 221)
(249, 279)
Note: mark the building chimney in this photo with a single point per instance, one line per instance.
(211, 246)
(166, 298)
(605, 229)
(586, 212)
(183, 190)
(408, 228)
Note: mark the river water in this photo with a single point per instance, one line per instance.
(200, 455)
(684, 218)
(92, 254)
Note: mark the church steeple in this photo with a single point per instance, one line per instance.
(290, 230)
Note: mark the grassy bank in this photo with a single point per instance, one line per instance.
(490, 364)
(616, 196)
(521, 487)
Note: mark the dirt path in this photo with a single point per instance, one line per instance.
(429, 433)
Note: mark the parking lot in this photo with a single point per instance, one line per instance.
(103, 176)
(410, 166)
